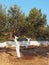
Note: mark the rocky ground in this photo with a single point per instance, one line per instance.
(30, 56)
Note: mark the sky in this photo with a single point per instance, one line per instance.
(27, 5)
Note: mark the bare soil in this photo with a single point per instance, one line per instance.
(30, 56)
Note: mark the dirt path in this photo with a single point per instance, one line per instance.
(34, 56)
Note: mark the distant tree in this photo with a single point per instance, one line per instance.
(2, 19)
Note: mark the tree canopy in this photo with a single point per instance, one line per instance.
(33, 25)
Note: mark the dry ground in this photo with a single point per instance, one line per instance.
(30, 56)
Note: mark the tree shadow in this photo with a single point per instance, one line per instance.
(30, 53)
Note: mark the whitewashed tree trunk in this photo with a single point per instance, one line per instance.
(17, 47)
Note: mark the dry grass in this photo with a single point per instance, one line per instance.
(30, 56)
